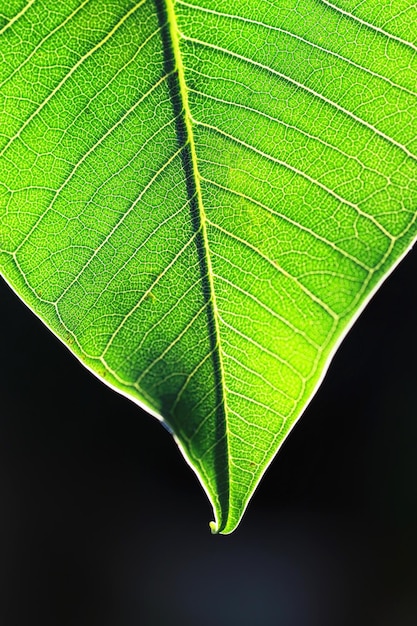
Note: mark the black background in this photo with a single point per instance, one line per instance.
(102, 523)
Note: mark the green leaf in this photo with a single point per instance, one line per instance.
(199, 198)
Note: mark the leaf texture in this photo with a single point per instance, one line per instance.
(199, 198)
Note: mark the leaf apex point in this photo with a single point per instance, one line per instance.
(213, 527)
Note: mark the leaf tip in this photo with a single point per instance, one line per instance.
(214, 528)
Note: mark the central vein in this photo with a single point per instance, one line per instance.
(179, 94)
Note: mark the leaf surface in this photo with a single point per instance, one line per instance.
(199, 198)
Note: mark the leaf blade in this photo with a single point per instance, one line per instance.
(200, 199)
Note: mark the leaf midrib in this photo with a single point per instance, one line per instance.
(179, 93)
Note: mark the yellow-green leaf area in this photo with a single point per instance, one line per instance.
(200, 197)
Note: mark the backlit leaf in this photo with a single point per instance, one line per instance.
(199, 198)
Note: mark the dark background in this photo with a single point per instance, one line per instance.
(102, 523)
